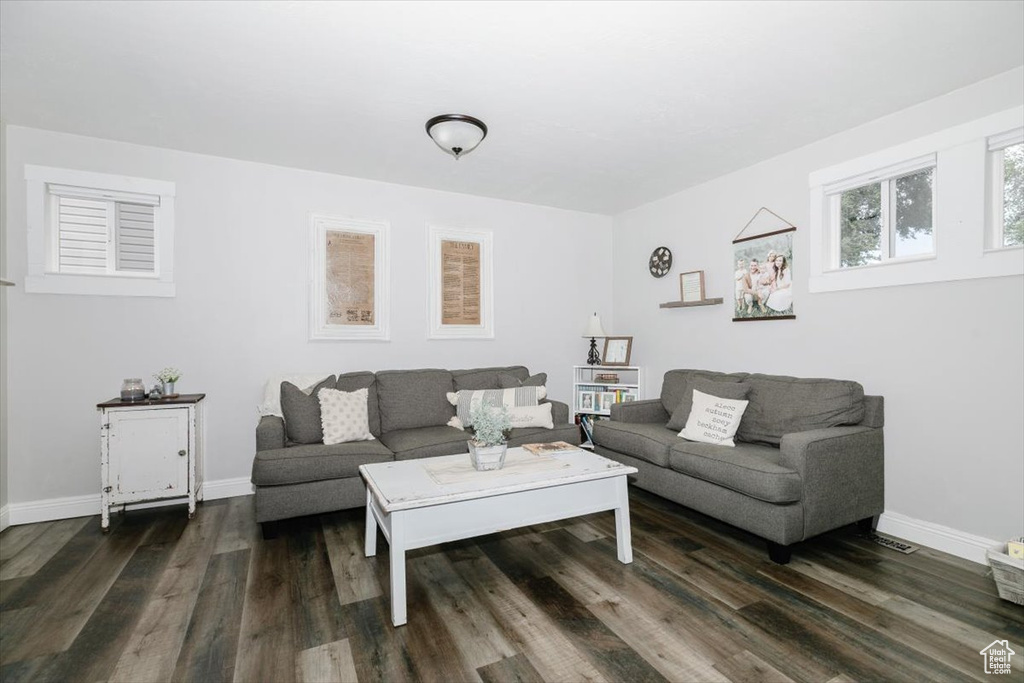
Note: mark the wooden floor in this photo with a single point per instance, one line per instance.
(160, 599)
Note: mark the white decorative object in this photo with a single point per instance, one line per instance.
(344, 415)
(466, 401)
(486, 458)
(151, 450)
(354, 302)
(457, 134)
(413, 510)
(713, 420)
(464, 285)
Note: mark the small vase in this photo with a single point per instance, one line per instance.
(485, 458)
(168, 388)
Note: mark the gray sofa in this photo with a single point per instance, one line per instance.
(408, 413)
(808, 456)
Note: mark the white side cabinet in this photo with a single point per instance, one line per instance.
(151, 450)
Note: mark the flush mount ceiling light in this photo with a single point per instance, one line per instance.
(457, 134)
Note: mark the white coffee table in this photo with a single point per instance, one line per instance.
(413, 510)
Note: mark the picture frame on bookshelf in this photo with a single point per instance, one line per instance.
(587, 400)
(607, 401)
(617, 350)
(628, 398)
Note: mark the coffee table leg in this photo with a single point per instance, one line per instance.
(622, 533)
(371, 527)
(398, 616)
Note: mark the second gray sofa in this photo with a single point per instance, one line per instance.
(408, 414)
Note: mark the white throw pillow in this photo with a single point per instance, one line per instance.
(713, 420)
(467, 401)
(531, 416)
(344, 415)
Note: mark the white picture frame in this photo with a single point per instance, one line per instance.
(320, 329)
(436, 236)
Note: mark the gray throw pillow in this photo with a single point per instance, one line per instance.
(736, 391)
(302, 412)
(507, 381)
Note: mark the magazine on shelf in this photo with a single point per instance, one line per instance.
(550, 448)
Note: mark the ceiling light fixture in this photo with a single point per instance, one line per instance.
(457, 134)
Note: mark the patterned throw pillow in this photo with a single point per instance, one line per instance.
(345, 415)
(467, 401)
(713, 420)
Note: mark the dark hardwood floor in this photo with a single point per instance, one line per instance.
(163, 599)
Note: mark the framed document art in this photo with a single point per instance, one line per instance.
(691, 286)
(617, 350)
(461, 290)
(349, 283)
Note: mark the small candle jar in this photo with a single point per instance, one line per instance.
(132, 389)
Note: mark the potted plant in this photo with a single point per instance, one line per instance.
(490, 433)
(167, 377)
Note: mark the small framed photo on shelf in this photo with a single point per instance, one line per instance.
(691, 286)
(607, 401)
(617, 350)
(628, 398)
(587, 400)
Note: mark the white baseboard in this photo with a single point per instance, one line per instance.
(86, 506)
(952, 541)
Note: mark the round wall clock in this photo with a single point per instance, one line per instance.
(661, 262)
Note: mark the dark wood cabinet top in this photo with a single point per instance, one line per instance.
(181, 399)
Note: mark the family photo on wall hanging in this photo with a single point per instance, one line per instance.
(764, 269)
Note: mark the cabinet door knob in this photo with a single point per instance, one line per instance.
(183, 453)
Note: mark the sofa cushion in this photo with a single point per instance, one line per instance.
(750, 469)
(569, 433)
(426, 442)
(413, 398)
(736, 391)
(486, 378)
(353, 381)
(509, 381)
(675, 387)
(315, 462)
(650, 442)
(302, 412)
(783, 405)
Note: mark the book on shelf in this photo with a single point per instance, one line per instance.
(550, 448)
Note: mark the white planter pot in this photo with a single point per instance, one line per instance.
(487, 457)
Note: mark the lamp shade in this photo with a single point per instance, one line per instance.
(457, 134)
(594, 328)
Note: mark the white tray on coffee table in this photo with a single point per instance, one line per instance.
(413, 510)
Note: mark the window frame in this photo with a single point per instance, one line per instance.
(996, 188)
(44, 240)
(885, 177)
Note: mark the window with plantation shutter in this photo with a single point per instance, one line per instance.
(100, 235)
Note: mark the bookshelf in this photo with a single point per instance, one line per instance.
(595, 388)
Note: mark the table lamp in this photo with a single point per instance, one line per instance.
(594, 330)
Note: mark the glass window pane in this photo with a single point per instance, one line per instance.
(1013, 195)
(860, 226)
(912, 205)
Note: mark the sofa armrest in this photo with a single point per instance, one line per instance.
(649, 411)
(270, 433)
(559, 412)
(842, 473)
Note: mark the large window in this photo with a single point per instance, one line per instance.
(93, 233)
(1007, 189)
(887, 219)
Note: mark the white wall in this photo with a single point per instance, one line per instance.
(947, 356)
(240, 311)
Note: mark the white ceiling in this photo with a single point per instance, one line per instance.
(591, 106)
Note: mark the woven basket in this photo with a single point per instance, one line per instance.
(1009, 575)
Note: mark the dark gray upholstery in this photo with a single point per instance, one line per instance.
(559, 413)
(652, 442)
(310, 498)
(562, 432)
(354, 381)
(677, 394)
(651, 411)
(313, 462)
(302, 412)
(750, 469)
(816, 480)
(426, 442)
(414, 398)
(736, 391)
(487, 378)
(270, 433)
(509, 381)
(783, 405)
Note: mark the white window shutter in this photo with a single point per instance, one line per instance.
(83, 235)
(134, 238)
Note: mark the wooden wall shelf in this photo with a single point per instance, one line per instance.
(688, 304)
